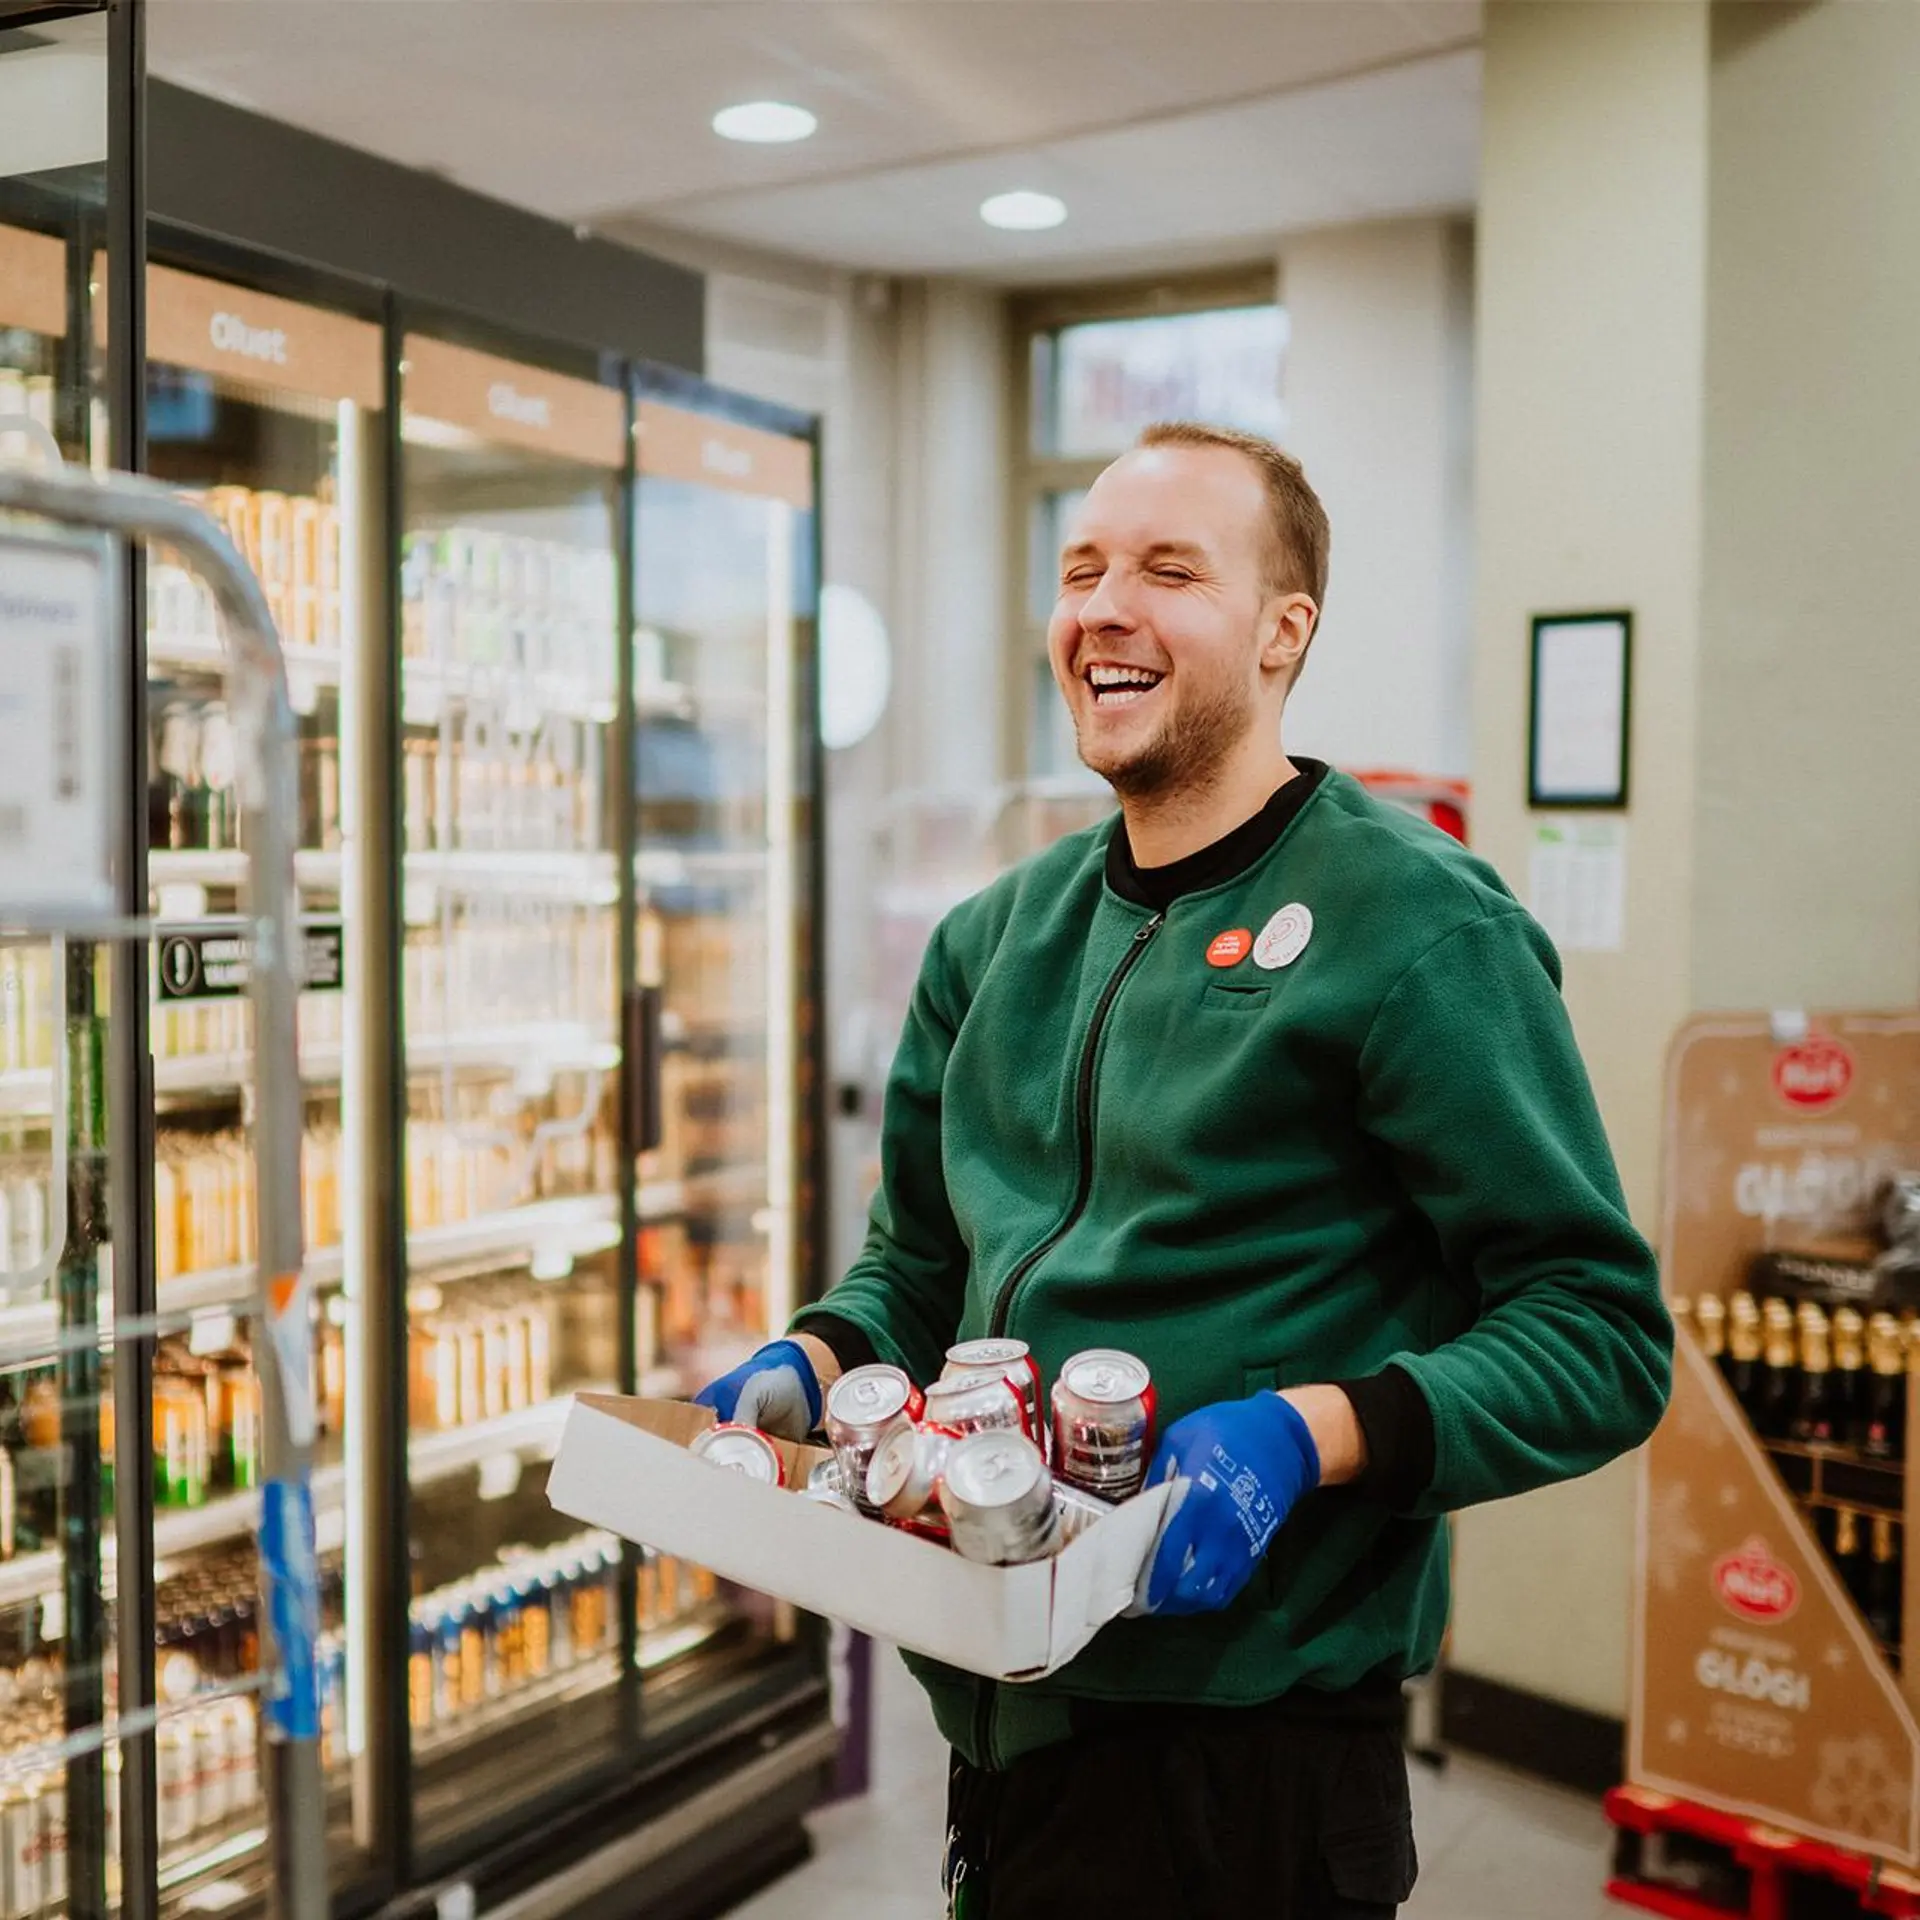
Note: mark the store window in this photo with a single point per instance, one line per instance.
(1094, 368)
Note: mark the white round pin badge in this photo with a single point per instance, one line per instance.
(1284, 938)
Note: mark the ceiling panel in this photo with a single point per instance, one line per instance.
(1200, 186)
(598, 110)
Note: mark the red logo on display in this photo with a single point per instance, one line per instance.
(1753, 1584)
(1230, 948)
(1815, 1074)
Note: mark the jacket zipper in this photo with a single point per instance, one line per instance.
(1083, 1113)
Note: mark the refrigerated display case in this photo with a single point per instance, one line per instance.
(509, 640)
(267, 413)
(724, 788)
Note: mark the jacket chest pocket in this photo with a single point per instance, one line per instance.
(1230, 997)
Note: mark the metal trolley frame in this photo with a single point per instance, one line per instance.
(123, 508)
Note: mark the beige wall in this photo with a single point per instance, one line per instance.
(1378, 411)
(1808, 828)
(1589, 303)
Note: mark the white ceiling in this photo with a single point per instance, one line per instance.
(1176, 130)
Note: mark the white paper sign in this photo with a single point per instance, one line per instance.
(1580, 710)
(1577, 883)
(56, 795)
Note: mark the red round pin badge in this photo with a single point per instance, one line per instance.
(1230, 948)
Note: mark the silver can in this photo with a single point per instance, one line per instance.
(863, 1407)
(903, 1478)
(980, 1401)
(243, 1751)
(743, 1450)
(1014, 1359)
(53, 1837)
(20, 1886)
(998, 1499)
(1103, 1407)
(1076, 1511)
(213, 1762)
(178, 1785)
(827, 1484)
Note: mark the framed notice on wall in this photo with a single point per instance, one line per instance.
(1579, 710)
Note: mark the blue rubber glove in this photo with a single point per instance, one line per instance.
(1242, 1464)
(776, 1391)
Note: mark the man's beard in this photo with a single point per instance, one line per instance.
(1186, 751)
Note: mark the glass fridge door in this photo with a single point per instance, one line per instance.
(724, 598)
(508, 699)
(60, 1728)
(266, 412)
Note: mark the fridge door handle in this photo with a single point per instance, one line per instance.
(644, 1049)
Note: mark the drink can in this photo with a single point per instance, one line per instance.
(509, 1639)
(178, 1789)
(863, 1406)
(243, 1752)
(423, 1660)
(213, 1763)
(827, 1484)
(20, 1848)
(1076, 1511)
(1103, 1423)
(50, 1837)
(1014, 1358)
(903, 1478)
(998, 1499)
(536, 1626)
(559, 1590)
(449, 1659)
(743, 1449)
(982, 1401)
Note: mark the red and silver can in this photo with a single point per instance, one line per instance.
(863, 1407)
(744, 1449)
(1103, 1423)
(1014, 1358)
(903, 1478)
(998, 1499)
(1076, 1511)
(982, 1401)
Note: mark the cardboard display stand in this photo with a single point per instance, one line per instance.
(1758, 1689)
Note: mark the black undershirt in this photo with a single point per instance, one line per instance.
(1392, 1411)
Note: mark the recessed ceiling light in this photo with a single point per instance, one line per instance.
(1023, 212)
(764, 123)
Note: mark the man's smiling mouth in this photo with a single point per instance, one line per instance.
(1114, 686)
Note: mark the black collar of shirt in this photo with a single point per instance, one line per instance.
(1229, 856)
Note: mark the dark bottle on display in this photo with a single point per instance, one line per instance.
(1812, 1423)
(1779, 1389)
(1849, 1375)
(1849, 1555)
(1709, 1317)
(1881, 1603)
(1741, 1361)
(1883, 1422)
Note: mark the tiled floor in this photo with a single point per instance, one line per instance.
(1493, 1845)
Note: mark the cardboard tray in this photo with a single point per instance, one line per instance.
(623, 1464)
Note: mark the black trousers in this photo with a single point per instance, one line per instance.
(1204, 1815)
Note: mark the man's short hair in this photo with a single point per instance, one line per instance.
(1298, 537)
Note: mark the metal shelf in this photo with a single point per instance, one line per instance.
(679, 867)
(27, 1090)
(532, 1432)
(586, 1223)
(589, 878)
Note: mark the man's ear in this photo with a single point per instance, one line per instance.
(1286, 631)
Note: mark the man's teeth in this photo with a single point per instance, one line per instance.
(1121, 686)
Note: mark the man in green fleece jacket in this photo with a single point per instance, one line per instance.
(1271, 1085)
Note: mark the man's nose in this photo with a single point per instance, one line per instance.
(1108, 608)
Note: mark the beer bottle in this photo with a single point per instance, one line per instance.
(1741, 1361)
(1883, 1422)
(1813, 1414)
(1882, 1602)
(1849, 1375)
(1779, 1389)
(1849, 1561)
(1710, 1323)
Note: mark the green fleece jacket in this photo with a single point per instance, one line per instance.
(1383, 1152)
